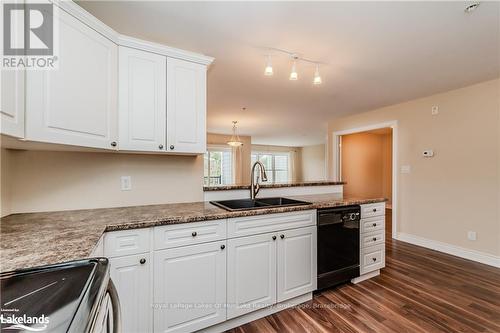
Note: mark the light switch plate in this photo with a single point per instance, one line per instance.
(126, 183)
(405, 169)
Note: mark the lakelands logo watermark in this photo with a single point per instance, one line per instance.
(29, 36)
(24, 323)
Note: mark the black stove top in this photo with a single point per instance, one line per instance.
(55, 298)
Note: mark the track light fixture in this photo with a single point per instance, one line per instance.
(295, 58)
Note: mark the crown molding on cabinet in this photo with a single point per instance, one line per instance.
(161, 49)
(81, 14)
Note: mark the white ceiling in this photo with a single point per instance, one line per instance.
(377, 54)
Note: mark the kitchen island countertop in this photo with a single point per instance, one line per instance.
(35, 239)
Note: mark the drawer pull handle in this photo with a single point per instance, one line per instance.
(374, 259)
(274, 237)
(160, 147)
(374, 224)
(222, 247)
(374, 210)
(172, 147)
(113, 144)
(282, 236)
(374, 239)
(142, 261)
(194, 233)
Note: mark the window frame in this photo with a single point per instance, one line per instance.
(220, 148)
(273, 162)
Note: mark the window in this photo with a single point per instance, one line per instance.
(218, 169)
(276, 164)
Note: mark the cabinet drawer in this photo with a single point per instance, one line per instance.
(126, 242)
(372, 258)
(251, 225)
(372, 238)
(371, 210)
(372, 224)
(175, 235)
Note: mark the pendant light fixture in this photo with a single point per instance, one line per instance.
(269, 67)
(293, 74)
(317, 78)
(235, 138)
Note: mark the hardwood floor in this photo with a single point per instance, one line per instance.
(420, 290)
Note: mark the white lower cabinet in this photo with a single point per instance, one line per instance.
(297, 273)
(194, 276)
(251, 273)
(190, 287)
(132, 278)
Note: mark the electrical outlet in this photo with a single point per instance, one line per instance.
(435, 110)
(471, 235)
(126, 183)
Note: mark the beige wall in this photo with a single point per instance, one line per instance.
(313, 163)
(45, 181)
(458, 189)
(363, 165)
(242, 155)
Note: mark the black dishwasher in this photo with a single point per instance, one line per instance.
(338, 245)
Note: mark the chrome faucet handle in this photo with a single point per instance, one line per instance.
(257, 188)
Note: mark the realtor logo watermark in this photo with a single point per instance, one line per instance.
(29, 36)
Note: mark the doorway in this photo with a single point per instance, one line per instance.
(366, 161)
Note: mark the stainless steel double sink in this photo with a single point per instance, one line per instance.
(261, 203)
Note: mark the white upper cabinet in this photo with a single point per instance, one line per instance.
(186, 107)
(75, 104)
(142, 100)
(12, 103)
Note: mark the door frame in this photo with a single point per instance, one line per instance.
(337, 165)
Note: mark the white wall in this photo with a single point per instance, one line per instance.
(313, 163)
(458, 189)
(44, 181)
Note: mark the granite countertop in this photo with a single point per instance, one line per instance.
(270, 185)
(35, 239)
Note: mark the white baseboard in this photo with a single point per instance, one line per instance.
(261, 313)
(482, 257)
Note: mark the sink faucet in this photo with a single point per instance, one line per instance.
(254, 185)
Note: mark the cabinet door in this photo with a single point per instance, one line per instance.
(186, 106)
(12, 103)
(132, 278)
(251, 274)
(297, 271)
(75, 104)
(142, 100)
(190, 287)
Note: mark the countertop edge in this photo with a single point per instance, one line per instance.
(263, 185)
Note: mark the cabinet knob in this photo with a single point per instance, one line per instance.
(374, 239)
(142, 261)
(222, 247)
(282, 236)
(374, 259)
(194, 233)
(374, 224)
(172, 147)
(374, 210)
(274, 237)
(160, 146)
(113, 144)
